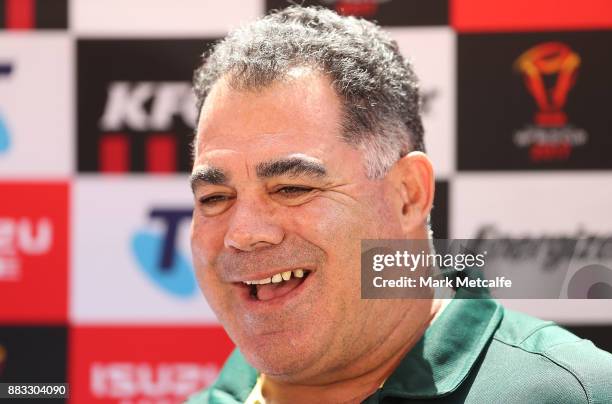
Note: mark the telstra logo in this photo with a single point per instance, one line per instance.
(158, 256)
(5, 141)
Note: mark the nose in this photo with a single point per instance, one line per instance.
(252, 226)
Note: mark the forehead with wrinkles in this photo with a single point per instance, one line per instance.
(302, 107)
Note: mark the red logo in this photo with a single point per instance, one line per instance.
(152, 365)
(552, 138)
(547, 59)
(34, 252)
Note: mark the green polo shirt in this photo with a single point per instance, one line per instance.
(475, 352)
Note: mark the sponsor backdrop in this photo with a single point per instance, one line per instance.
(96, 118)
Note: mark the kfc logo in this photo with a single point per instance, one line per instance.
(158, 256)
(140, 115)
(126, 109)
(125, 106)
(551, 138)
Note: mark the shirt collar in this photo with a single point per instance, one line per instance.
(236, 380)
(444, 356)
(436, 366)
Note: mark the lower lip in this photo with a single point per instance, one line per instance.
(254, 304)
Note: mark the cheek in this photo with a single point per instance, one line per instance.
(336, 229)
(206, 244)
(331, 222)
(217, 295)
(325, 224)
(206, 240)
(383, 217)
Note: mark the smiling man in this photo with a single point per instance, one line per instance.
(309, 140)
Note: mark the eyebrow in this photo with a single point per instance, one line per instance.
(293, 166)
(208, 174)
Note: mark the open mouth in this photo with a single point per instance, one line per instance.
(277, 285)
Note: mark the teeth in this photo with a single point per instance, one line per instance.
(283, 276)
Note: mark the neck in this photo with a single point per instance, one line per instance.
(365, 374)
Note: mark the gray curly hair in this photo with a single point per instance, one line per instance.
(377, 86)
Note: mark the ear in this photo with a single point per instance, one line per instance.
(412, 177)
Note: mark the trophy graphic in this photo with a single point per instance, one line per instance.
(540, 63)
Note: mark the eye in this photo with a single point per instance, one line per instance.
(293, 195)
(213, 199)
(293, 191)
(214, 204)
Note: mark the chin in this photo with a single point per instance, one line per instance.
(279, 358)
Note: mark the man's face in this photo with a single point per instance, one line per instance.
(277, 190)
